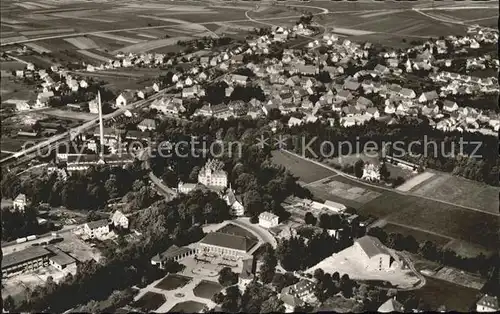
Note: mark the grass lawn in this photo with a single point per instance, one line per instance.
(173, 281)
(428, 215)
(420, 236)
(304, 170)
(460, 191)
(206, 289)
(150, 301)
(187, 307)
(438, 292)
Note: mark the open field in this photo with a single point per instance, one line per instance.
(150, 301)
(82, 42)
(420, 236)
(438, 292)
(306, 171)
(173, 281)
(460, 191)
(409, 212)
(207, 289)
(72, 115)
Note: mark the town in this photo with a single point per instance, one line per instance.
(179, 182)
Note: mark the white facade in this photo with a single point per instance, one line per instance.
(96, 229)
(268, 220)
(19, 202)
(120, 220)
(212, 175)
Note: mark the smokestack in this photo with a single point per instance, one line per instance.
(101, 128)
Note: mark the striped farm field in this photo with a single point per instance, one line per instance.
(82, 42)
(117, 37)
(37, 48)
(56, 31)
(93, 55)
(153, 44)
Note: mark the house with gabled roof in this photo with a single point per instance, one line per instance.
(428, 96)
(391, 305)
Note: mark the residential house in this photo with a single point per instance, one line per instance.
(189, 92)
(213, 175)
(407, 93)
(19, 202)
(428, 96)
(487, 303)
(94, 106)
(372, 112)
(294, 121)
(120, 220)
(450, 106)
(96, 229)
(351, 85)
(22, 105)
(234, 202)
(343, 95)
(430, 110)
(268, 220)
(302, 289)
(239, 79)
(147, 125)
(124, 99)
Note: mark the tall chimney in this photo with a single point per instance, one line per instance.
(101, 128)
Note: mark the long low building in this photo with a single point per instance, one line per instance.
(173, 253)
(34, 258)
(225, 244)
(30, 259)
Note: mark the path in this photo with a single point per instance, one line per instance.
(350, 177)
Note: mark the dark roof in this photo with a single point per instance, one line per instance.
(61, 257)
(372, 246)
(489, 301)
(28, 254)
(97, 224)
(228, 241)
(171, 252)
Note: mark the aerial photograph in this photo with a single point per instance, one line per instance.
(253, 156)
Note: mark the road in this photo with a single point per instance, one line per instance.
(258, 231)
(358, 181)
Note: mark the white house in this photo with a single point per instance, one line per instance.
(19, 202)
(235, 203)
(119, 220)
(391, 305)
(373, 254)
(96, 229)
(487, 303)
(268, 220)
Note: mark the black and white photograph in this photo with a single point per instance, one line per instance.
(249, 156)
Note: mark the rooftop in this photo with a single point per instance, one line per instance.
(372, 246)
(97, 224)
(230, 241)
(28, 254)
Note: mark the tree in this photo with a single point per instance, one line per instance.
(269, 263)
(9, 304)
(358, 168)
(384, 172)
(231, 301)
(310, 219)
(227, 277)
(272, 305)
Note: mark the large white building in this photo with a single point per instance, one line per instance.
(224, 244)
(268, 220)
(373, 254)
(212, 175)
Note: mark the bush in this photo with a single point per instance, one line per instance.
(254, 219)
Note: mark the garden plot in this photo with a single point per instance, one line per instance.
(9, 40)
(93, 55)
